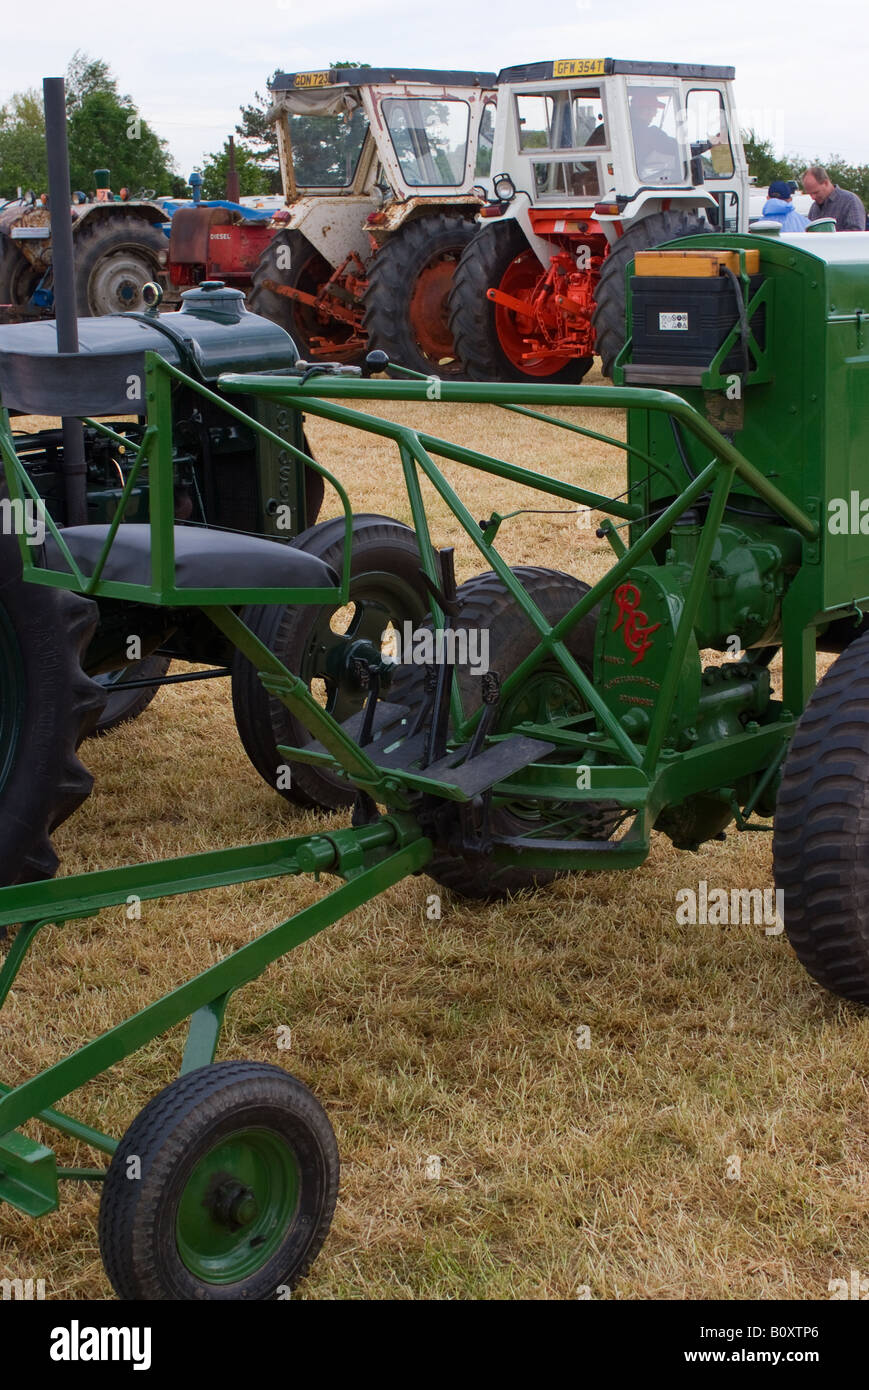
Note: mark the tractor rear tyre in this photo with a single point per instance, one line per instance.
(488, 337)
(409, 283)
(114, 257)
(314, 644)
(608, 316)
(47, 706)
(290, 260)
(488, 606)
(18, 278)
(821, 837)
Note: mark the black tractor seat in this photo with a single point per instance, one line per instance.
(204, 558)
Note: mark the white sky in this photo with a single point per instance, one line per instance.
(800, 67)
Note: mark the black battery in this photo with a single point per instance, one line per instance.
(683, 320)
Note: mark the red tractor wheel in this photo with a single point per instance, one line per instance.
(406, 311)
(330, 331)
(492, 340)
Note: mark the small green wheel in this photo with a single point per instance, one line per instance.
(223, 1187)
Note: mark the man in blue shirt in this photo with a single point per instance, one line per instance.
(779, 205)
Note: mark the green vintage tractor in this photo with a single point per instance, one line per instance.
(109, 658)
(604, 711)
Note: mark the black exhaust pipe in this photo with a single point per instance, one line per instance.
(65, 313)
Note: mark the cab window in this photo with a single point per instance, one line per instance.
(430, 139)
(708, 135)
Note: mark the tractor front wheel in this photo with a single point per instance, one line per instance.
(408, 290)
(608, 316)
(821, 838)
(18, 278)
(491, 340)
(115, 257)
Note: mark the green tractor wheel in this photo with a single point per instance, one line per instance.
(320, 644)
(223, 1187)
(47, 706)
(488, 607)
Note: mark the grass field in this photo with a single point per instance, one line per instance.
(711, 1140)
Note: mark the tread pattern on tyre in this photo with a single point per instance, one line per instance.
(262, 721)
(608, 316)
(486, 602)
(156, 1135)
(391, 278)
(821, 836)
(63, 705)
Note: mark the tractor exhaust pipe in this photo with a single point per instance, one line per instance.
(66, 317)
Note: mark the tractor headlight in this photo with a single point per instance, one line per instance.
(504, 187)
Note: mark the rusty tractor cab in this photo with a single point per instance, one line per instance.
(381, 172)
(593, 160)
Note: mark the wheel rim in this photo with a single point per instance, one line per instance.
(12, 697)
(378, 599)
(237, 1206)
(521, 279)
(428, 312)
(115, 286)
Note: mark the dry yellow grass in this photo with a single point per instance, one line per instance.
(563, 1168)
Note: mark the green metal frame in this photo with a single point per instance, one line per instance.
(642, 777)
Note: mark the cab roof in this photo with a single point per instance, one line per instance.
(555, 68)
(371, 77)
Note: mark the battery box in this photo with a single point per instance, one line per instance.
(682, 320)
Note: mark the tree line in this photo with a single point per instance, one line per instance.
(106, 130)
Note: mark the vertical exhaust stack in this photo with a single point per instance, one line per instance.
(74, 466)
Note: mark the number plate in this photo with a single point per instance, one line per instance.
(578, 67)
(312, 79)
(668, 322)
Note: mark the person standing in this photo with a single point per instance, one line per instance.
(831, 201)
(780, 206)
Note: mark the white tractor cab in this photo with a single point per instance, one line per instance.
(592, 160)
(379, 169)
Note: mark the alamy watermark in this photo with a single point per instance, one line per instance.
(421, 646)
(722, 907)
(23, 517)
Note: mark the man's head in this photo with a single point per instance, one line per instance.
(817, 183)
(646, 102)
(781, 190)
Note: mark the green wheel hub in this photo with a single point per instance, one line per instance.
(237, 1206)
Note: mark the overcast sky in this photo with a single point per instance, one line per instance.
(800, 67)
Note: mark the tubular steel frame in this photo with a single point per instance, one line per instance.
(642, 778)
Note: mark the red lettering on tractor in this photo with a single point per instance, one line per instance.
(637, 632)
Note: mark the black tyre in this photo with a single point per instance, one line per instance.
(291, 261)
(47, 706)
(488, 606)
(223, 1187)
(123, 705)
(18, 278)
(489, 338)
(386, 587)
(411, 276)
(821, 838)
(114, 257)
(608, 316)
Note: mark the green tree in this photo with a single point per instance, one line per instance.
(84, 76)
(252, 178)
(22, 144)
(763, 164)
(106, 134)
